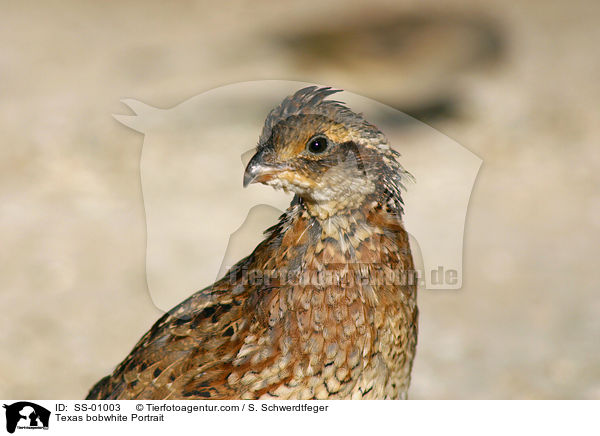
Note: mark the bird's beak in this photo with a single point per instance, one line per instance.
(257, 171)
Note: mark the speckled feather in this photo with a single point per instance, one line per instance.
(321, 321)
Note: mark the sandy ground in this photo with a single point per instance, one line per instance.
(524, 98)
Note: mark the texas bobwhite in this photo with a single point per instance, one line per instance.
(325, 306)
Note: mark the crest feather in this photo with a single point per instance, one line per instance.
(309, 100)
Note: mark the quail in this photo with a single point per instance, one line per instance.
(325, 306)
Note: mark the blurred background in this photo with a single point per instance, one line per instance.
(518, 86)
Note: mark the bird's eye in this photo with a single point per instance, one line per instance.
(317, 145)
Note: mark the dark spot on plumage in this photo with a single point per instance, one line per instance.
(329, 240)
(133, 383)
(182, 320)
(144, 366)
(157, 372)
(228, 332)
(367, 391)
(207, 312)
(196, 322)
(218, 311)
(358, 155)
(197, 393)
(296, 200)
(172, 377)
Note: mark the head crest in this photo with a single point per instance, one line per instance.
(312, 100)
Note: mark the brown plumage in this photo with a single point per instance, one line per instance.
(324, 307)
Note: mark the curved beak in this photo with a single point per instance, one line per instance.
(257, 171)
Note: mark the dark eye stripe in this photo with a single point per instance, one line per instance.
(353, 148)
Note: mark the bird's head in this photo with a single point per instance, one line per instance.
(329, 156)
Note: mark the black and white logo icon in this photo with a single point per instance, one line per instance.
(26, 415)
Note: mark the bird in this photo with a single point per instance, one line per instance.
(325, 307)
